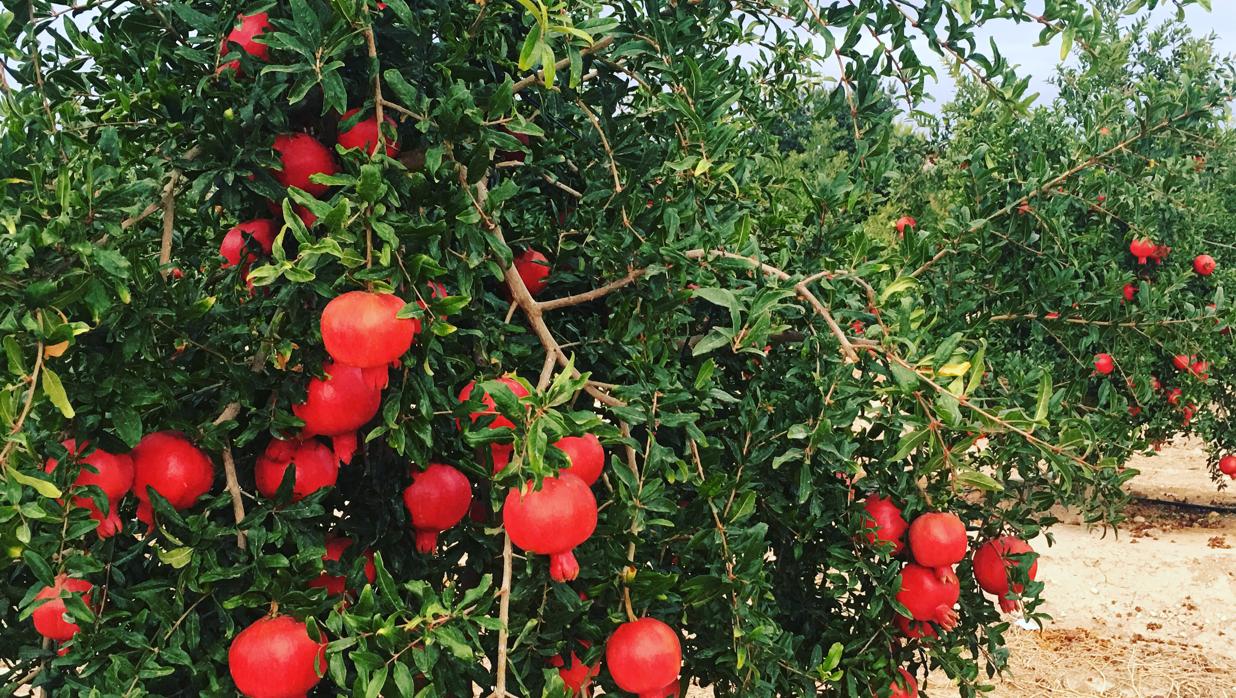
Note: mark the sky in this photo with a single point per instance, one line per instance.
(1039, 62)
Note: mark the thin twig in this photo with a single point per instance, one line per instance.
(504, 615)
(169, 219)
(594, 294)
(378, 102)
(536, 77)
(34, 388)
(596, 124)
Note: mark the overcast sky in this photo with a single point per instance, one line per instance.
(1039, 62)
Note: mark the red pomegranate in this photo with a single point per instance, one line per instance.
(1104, 364)
(364, 134)
(248, 28)
(533, 268)
(1183, 361)
(1204, 265)
(49, 616)
(1173, 396)
(340, 404)
(1130, 291)
(1142, 249)
(169, 464)
(586, 455)
(336, 584)
(644, 657)
(513, 155)
(938, 540)
(552, 521)
(1200, 369)
(991, 563)
(238, 247)
(360, 329)
(903, 223)
(886, 522)
(929, 594)
(1227, 466)
(576, 675)
(316, 467)
(437, 499)
(1160, 253)
(275, 658)
(903, 687)
(302, 156)
(914, 629)
(112, 473)
(501, 452)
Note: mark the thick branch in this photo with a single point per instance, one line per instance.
(229, 473)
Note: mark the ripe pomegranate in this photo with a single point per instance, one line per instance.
(364, 134)
(1142, 249)
(1173, 396)
(1182, 361)
(938, 540)
(533, 268)
(1130, 291)
(336, 584)
(644, 657)
(886, 522)
(991, 563)
(1204, 265)
(513, 155)
(112, 473)
(1053, 315)
(168, 463)
(1200, 369)
(238, 244)
(914, 629)
(316, 467)
(1104, 364)
(1227, 465)
(340, 404)
(903, 223)
(49, 616)
(360, 329)
(576, 675)
(501, 452)
(248, 28)
(904, 687)
(275, 658)
(437, 499)
(302, 156)
(586, 455)
(1160, 253)
(929, 594)
(552, 521)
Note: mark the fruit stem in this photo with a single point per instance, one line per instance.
(626, 601)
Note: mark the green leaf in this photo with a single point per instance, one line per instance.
(908, 442)
(54, 390)
(1044, 400)
(176, 557)
(977, 480)
(43, 487)
(716, 338)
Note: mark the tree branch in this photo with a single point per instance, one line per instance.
(594, 294)
(525, 83)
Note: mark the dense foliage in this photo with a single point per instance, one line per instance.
(735, 306)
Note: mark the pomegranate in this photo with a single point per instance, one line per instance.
(938, 540)
(49, 616)
(586, 455)
(1130, 291)
(360, 329)
(1173, 396)
(1204, 265)
(576, 675)
(275, 658)
(302, 156)
(991, 563)
(644, 657)
(501, 452)
(885, 521)
(169, 464)
(109, 472)
(1160, 253)
(1142, 249)
(336, 584)
(238, 247)
(437, 499)
(316, 467)
(532, 267)
(1182, 362)
(929, 594)
(364, 134)
(340, 404)
(1227, 466)
(903, 223)
(903, 687)
(1200, 369)
(513, 155)
(248, 28)
(552, 521)
(914, 629)
(1104, 364)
